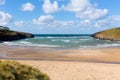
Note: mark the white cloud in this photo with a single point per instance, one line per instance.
(19, 23)
(27, 7)
(77, 5)
(5, 18)
(111, 21)
(92, 13)
(2, 2)
(64, 23)
(43, 20)
(85, 10)
(115, 18)
(49, 7)
(85, 23)
(49, 21)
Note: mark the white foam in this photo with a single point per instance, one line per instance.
(22, 43)
(101, 45)
(43, 45)
(25, 42)
(49, 37)
(66, 41)
(108, 45)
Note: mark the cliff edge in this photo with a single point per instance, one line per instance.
(111, 34)
(10, 35)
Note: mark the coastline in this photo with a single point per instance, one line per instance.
(71, 64)
(97, 55)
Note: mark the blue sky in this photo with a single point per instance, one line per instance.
(60, 16)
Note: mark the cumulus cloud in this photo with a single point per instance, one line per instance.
(92, 13)
(2, 2)
(76, 5)
(19, 23)
(43, 19)
(27, 7)
(49, 21)
(84, 9)
(49, 7)
(5, 18)
(111, 21)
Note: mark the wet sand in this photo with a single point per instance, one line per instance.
(72, 64)
(89, 55)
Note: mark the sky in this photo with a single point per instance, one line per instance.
(60, 16)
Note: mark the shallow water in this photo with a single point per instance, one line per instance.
(65, 41)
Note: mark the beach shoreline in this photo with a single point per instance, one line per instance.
(70, 64)
(100, 55)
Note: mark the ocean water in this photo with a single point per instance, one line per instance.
(64, 41)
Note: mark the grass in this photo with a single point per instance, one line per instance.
(7, 32)
(12, 70)
(111, 34)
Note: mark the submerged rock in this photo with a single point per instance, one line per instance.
(9, 35)
(111, 34)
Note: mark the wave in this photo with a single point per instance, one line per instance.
(22, 43)
(84, 39)
(101, 46)
(78, 37)
(105, 45)
(109, 45)
(65, 42)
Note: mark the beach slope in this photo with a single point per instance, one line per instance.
(61, 70)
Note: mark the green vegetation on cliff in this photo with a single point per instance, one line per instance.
(11, 70)
(9, 35)
(111, 34)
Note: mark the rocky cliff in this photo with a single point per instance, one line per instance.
(9, 35)
(111, 34)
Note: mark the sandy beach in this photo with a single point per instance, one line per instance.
(71, 64)
(61, 70)
(103, 55)
(65, 39)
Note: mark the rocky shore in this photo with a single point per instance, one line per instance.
(10, 35)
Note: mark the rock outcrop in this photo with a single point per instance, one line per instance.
(9, 35)
(111, 34)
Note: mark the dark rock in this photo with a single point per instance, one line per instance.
(9, 35)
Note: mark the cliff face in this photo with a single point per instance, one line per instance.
(111, 34)
(9, 35)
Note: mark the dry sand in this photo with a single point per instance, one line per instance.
(61, 70)
(59, 64)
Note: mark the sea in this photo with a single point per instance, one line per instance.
(64, 41)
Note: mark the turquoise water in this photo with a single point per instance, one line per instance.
(64, 41)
